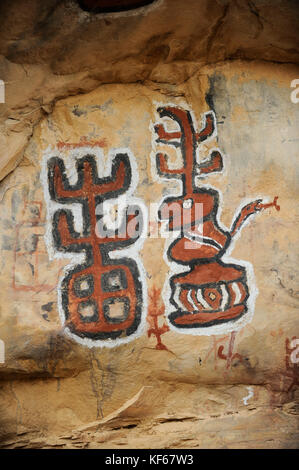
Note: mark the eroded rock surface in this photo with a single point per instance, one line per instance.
(76, 80)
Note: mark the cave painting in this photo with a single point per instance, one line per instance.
(208, 292)
(102, 293)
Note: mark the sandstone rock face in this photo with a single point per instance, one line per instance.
(105, 91)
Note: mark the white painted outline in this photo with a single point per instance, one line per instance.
(175, 268)
(2, 91)
(2, 351)
(250, 395)
(131, 252)
(294, 356)
(294, 93)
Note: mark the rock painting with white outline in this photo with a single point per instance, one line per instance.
(214, 293)
(101, 297)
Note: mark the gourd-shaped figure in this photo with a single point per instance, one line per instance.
(212, 292)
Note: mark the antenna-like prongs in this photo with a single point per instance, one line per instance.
(187, 139)
(208, 129)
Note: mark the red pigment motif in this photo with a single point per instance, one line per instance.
(156, 310)
(230, 356)
(212, 292)
(83, 143)
(34, 223)
(102, 297)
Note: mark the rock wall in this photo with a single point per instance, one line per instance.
(208, 85)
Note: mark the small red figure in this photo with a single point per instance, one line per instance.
(155, 311)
